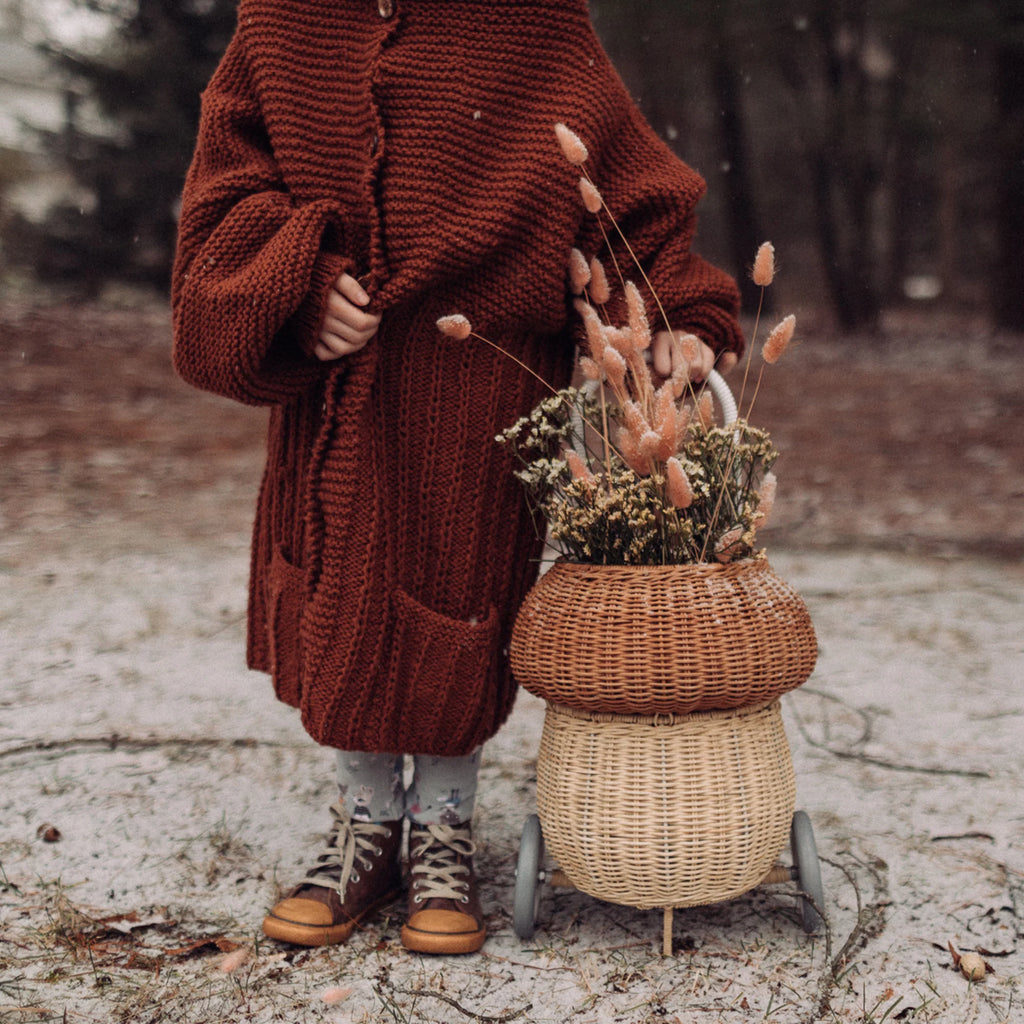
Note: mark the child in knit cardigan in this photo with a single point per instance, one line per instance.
(363, 168)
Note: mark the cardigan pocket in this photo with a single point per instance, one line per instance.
(286, 585)
(445, 670)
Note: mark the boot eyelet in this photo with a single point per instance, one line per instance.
(417, 899)
(353, 876)
(463, 899)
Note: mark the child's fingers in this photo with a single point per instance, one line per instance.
(703, 364)
(333, 344)
(726, 361)
(345, 318)
(661, 354)
(351, 289)
(346, 327)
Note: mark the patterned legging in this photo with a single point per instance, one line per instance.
(442, 791)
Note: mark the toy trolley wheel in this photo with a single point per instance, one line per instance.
(529, 875)
(807, 871)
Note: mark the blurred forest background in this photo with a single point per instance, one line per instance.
(878, 143)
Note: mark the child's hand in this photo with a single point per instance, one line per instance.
(698, 370)
(347, 327)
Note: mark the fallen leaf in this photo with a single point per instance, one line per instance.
(131, 922)
(211, 942)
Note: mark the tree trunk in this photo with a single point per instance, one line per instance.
(740, 203)
(842, 153)
(1008, 292)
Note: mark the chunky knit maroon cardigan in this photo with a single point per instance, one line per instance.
(410, 143)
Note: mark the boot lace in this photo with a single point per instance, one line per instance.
(438, 869)
(350, 843)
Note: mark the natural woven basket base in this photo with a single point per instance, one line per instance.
(663, 638)
(663, 811)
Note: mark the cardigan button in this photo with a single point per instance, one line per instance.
(385, 8)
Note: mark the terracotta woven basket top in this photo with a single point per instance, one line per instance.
(662, 639)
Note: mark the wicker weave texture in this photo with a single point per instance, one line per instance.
(661, 811)
(662, 639)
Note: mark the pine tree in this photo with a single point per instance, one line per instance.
(146, 85)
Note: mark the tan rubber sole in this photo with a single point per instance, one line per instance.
(300, 934)
(441, 943)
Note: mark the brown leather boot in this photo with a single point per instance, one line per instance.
(444, 906)
(359, 872)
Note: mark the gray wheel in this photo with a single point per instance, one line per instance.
(808, 871)
(528, 878)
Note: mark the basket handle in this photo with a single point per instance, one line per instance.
(724, 397)
(719, 388)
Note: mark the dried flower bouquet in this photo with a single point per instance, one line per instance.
(629, 468)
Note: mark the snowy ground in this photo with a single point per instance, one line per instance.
(155, 799)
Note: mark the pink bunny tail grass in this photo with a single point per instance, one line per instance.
(571, 145)
(680, 379)
(665, 418)
(614, 367)
(591, 197)
(629, 449)
(579, 469)
(634, 420)
(683, 417)
(764, 265)
(679, 491)
(637, 317)
(600, 292)
(689, 347)
(643, 382)
(705, 411)
(649, 444)
(455, 326)
(590, 369)
(595, 329)
(332, 996)
(769, 486)
(728, 544)
(779, 338)
(685, 352)
(233, 960)
(620, 339)
(579, 272)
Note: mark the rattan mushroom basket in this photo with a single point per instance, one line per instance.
(662, 639)
(664, 776)
(665, 811)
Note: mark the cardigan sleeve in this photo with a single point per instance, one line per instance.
(652, 195)
(252, 268)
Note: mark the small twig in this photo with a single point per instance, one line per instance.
(877, 762)
(480, 1017)
(117, 742)
(391, 1006)
(893, 766)
(870, 924)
